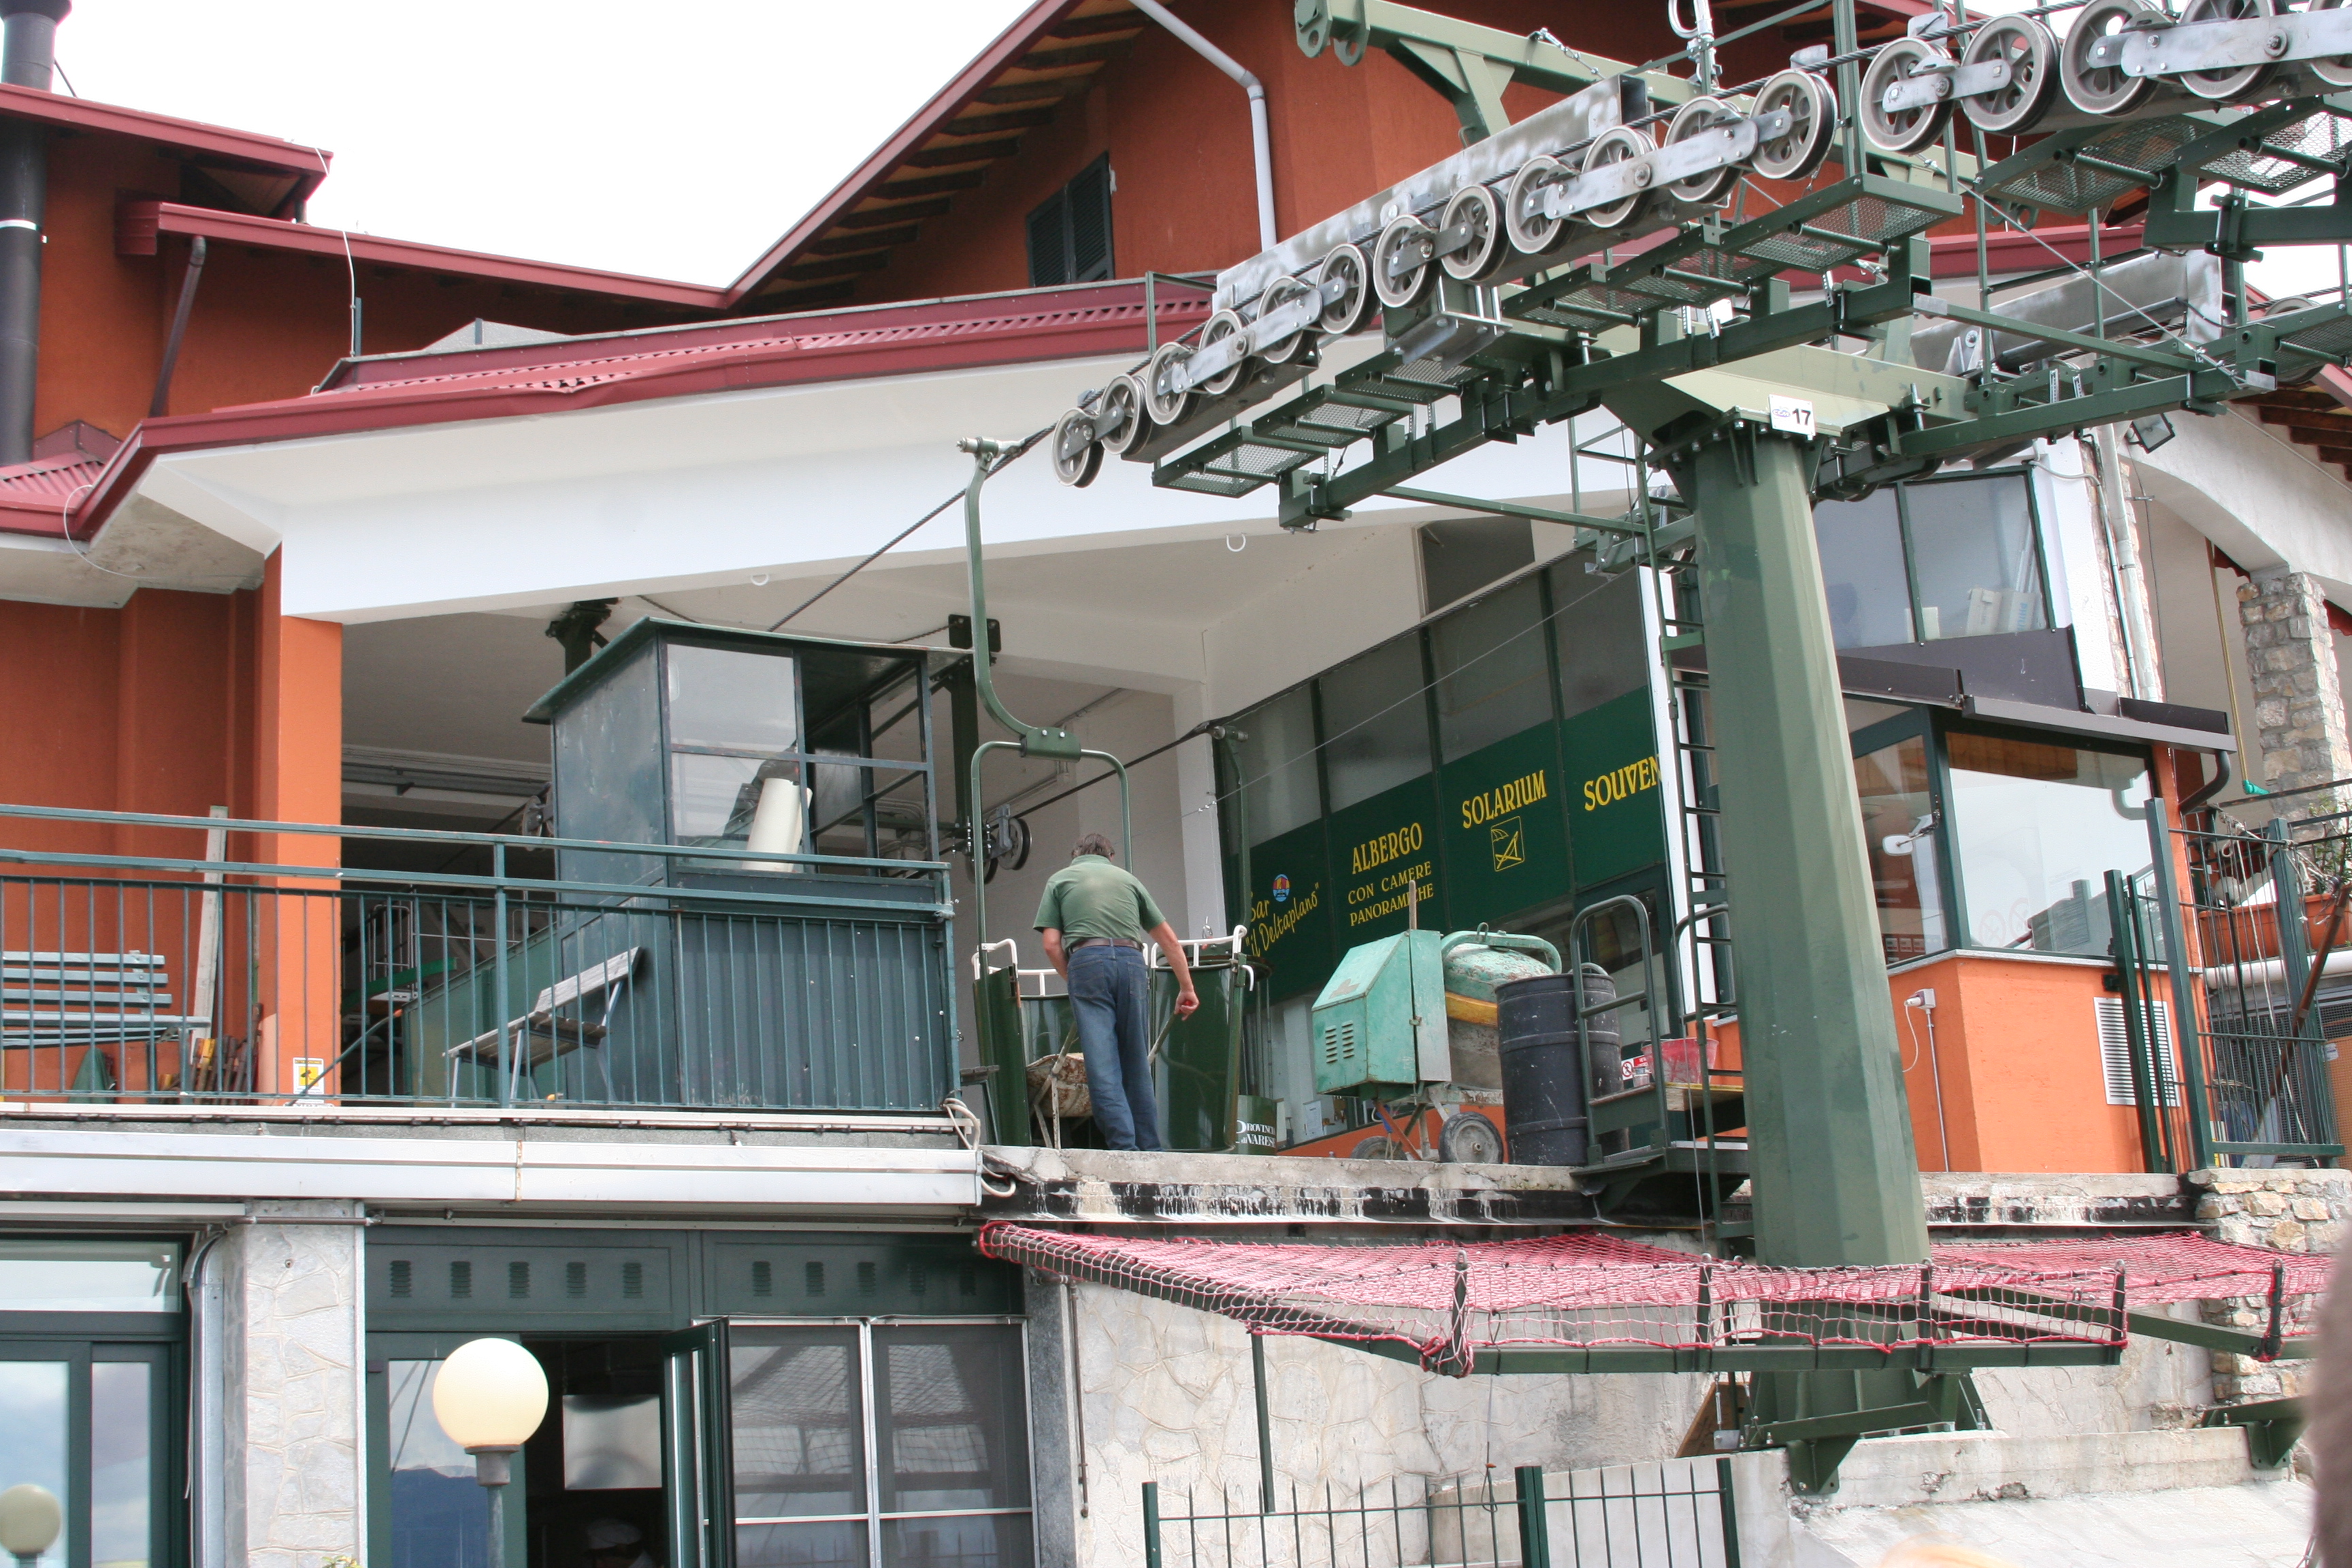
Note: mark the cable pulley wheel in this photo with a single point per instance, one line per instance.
(1813, 113)
(1215, 329)
(2104, 90)
(1524, 224)
(1903, 131)
(1701, 114)
(1119, 416)
(1077, 456)
(1285, 291)
(1402, 275)
(1346, 313)
(2238, 81)
(1165, 404)
(2336, 70)
(2030, 52)
(1475, 208)
(1618, 144)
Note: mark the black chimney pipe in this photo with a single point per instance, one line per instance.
(28, 32)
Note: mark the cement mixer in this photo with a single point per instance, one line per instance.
(1409, 1023)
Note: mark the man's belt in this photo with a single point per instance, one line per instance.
(1105, 942)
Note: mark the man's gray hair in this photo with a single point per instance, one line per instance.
(1092, 844)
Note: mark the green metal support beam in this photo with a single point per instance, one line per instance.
(1836, 1177)
(2273, 1426)
(2214, 1337)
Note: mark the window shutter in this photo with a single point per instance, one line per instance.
(1049, 242)
(2115, 1052)
(1088, 201)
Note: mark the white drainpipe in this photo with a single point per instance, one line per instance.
(1261, 140)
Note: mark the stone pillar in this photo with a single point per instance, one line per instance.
(2285, 1210)
(2300, 737)
(291, 1407)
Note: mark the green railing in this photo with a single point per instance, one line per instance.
(150, 959)
(1673, 1513)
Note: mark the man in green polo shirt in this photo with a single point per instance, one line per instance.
(1095, 916)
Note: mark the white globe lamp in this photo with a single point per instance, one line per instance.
(489, 1396)
(30, 1520)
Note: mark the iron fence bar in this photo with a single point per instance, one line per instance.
(2135, 1035)
(2187, 1034)
(1151, 1524)
(1535, 1529)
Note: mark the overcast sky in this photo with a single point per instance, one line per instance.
(673, 139)
(584, 130)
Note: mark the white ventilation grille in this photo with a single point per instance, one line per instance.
(2115, 1052)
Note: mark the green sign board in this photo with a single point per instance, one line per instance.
(1506, 834)
(1288, 909)
(1615, 795)
(1381, 849)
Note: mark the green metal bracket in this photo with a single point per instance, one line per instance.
(1465, 63)
(2273, 1427)
(1818, 1445)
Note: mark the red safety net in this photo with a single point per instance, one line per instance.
(1589, 1290)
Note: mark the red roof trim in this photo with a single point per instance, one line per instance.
(1009, 46)
(138, 224)
(1046, 325)
(1955, 254)
(308, 165)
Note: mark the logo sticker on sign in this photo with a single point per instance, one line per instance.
(1793, 415)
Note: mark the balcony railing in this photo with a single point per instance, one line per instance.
(162, 960)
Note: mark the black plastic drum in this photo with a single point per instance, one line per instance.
(1545, 1099)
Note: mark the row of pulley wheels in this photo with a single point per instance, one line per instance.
(1399, 268)
(2042, 69)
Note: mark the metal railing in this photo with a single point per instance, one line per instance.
(2231, 937)
(1677, 1513)
(237, 961)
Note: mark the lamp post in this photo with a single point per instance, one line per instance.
(30, 1519)
(489, 1398)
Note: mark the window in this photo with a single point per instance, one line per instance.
(1275, 756)
(1459, 558)
(1070, 232)
(2036, 828)
(1898, 827)
(1933, 560)
(1375, 722)
(440, 1516)
(946, 1484)
(1604, 652)
(1493, 675)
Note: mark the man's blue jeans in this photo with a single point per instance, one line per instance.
(1108, 988)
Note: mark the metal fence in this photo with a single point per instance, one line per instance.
(237, 961)
(2232, 934)
(1678, 1514)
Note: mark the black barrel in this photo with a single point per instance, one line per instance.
(1545, 1099)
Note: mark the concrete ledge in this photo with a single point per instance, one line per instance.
(1997, 1199)
(1106, 1187)
(1987, 1467)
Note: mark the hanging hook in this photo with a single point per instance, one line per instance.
(1237, 549)
(1700, 32)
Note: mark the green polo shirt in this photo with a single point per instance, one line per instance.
(1092, 898)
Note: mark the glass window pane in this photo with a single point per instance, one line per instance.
(440, 1516)
(722, 697)
(1459, 558)
(1493, 674)
(1972, 545)
(949, 1417)
(2037, 828)
(1603, 651)
(1898, 829)
(997, 1541)
(1861, 544)
(608, 774)
(33, 1439)
(1275, 758)
(721, 800)
(1375, 726)
(122, 1464)
(90, 1276)
(799, 1430)
(838, 1544)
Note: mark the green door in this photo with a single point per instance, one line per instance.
(697, 1467)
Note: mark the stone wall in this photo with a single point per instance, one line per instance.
(1167, 1398)
(2299, 721)
(291, 1405)
(2285, 1211)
